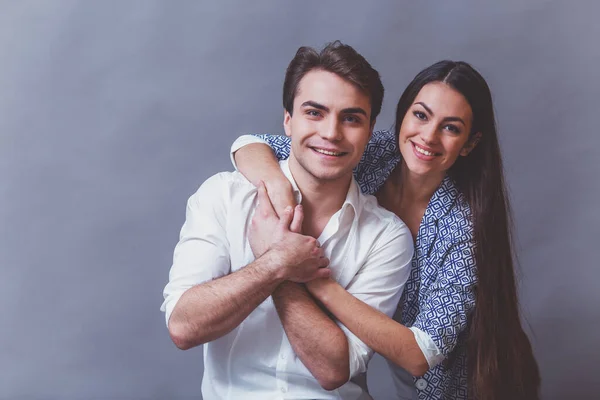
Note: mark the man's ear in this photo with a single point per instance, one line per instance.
(470, 145)
(371, 128)
(286, 123)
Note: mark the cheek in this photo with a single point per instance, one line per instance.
(409, 128)
(454, 147)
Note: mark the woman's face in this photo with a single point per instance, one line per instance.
(435, 130)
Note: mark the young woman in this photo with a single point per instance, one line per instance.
(457, 329)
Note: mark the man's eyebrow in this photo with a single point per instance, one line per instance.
(354, 110)
(316, 105)
(445, 119)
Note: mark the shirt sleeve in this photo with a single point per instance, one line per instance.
(280, 144)
(445, 308)
(380, 283)
(202, 253)
(378, 161)
(432, 353)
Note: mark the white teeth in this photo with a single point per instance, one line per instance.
(329, 153)
(422, 151)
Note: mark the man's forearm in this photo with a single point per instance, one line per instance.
(316, 339)
(212, 309)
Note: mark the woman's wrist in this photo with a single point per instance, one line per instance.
(281, 193)
(323, 289)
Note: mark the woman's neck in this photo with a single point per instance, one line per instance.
(407, 195)
(414, 189)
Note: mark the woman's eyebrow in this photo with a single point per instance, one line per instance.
(459, 119)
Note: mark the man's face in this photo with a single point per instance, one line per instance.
(330, 126)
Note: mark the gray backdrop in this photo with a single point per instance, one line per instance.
(113, 112)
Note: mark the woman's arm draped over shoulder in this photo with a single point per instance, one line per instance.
(253, 156)
(378, 161)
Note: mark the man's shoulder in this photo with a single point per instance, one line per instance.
(224, 184)
(227, 178)
(374, 214)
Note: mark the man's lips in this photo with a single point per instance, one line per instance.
(329, 151)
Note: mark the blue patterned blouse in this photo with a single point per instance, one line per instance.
(440, 292)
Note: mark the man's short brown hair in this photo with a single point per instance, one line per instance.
(337, 58)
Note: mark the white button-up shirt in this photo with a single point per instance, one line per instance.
(370, 252)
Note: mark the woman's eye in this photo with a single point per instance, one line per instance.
(420, 115)
(452, 128)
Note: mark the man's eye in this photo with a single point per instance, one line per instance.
(351, 118)
(313, 113)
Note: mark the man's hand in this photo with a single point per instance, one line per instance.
(300, 256)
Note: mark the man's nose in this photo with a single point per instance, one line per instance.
(332, 130)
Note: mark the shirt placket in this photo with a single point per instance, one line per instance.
(282, 367)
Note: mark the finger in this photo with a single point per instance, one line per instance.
(296, 225)
(323, 262)
(265, 206)
(318, 252)
(286, 218)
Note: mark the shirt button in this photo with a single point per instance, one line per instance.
(283, 390)
(421, 384)
(283, 356)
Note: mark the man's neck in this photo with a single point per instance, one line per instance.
(320, 198)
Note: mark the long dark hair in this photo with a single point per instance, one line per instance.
(500, 358)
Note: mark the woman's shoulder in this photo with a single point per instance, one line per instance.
(379, 159)
(383, 142)
(456, 222)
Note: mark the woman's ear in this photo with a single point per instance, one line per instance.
(470, 145)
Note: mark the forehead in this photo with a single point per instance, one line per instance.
(331, 90)
(444, 101)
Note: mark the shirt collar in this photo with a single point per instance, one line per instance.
(443, 199)
(352, 197)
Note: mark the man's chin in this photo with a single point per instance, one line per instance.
(330, 176)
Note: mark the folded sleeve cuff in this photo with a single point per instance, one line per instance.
(432, 353)
(169, 304)
(242, 141)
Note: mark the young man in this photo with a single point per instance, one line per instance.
(265, 336)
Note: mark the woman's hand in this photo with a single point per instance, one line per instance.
(281, 194)
(263, 224)
(265, 221)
